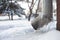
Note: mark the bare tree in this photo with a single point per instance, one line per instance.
(44, 19)
(37, 8)
(30, 8)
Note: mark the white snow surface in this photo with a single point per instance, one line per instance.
(22, 30)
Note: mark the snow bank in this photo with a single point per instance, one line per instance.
(51, 35)
(22, 30)
(4, 25)
(18, 35)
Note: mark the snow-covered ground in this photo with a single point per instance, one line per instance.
(15, 17)
(22, 30)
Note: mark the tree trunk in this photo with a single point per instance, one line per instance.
(30, 14)
(12, 14)
(37, 8)
(9, 16)
(58, 15)
(12, 17)
(30, 8)
(47, 8)
(44, 19)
